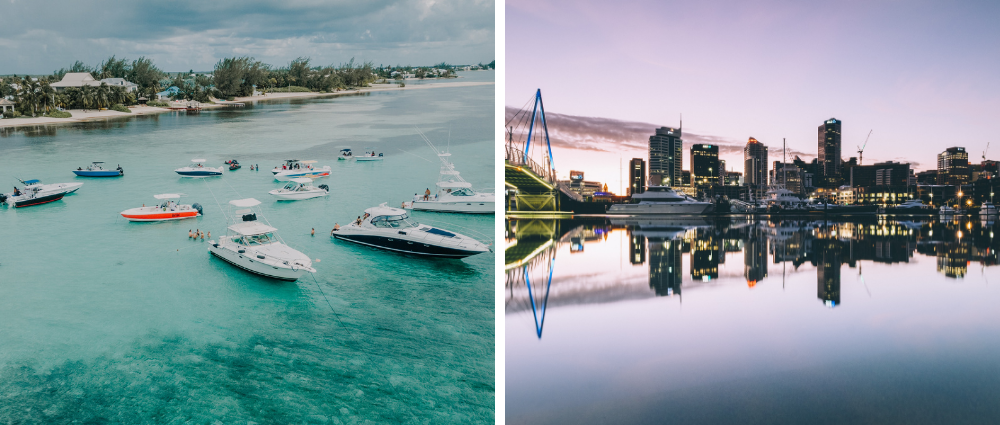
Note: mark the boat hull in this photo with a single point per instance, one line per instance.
(297, 196)
(286, 175)
(480, 207)
(36, 201)
(368, 158)
(248, 264)
(665, 208)
(406, 247)
(164, 216)
(199, 173)
(102, 173)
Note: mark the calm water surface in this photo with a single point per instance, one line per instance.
(752, 322)
(105, 321)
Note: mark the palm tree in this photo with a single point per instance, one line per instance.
(87, 96)
(103, 95)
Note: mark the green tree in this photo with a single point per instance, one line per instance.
(113, 68)
(146, 75)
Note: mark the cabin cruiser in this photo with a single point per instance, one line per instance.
(299, 189)
(66, 188)
(256, 247)
(31, 195)
(454, 194)
(168, 210)
(345, 154)
(661, 200)
(780, 199)
(369, 156)
(198, 170)
(828, 208)
(947, 210)
(988, 209)
(912, 206)
(392, 229)
(96, 170)
(294, 168)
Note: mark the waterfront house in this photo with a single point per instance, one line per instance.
(6, 106)
(75, 79)
(166, 94)
(129, 86)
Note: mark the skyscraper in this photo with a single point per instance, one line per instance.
(636, 176)
(704, 165)
(755, 166)
(953, 166)
(665, 157)
(828, 166)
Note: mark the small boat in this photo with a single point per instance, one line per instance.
(255, 247)
(233, 165)
(199, 170)
(947, 210)
(988, 209)
(294, 168)
(299, 189)
(31, 195)
(96, 170)
(454, 194)
(369, 156)
(65, 188)
(168, 210)
(392, 229)
(345, 154)
(910, 207)
(661, 200)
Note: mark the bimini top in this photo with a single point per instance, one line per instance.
(345, 150)
(32, 181)
(168, 196)
(245, 203)
(453, 185)
(308, 162)
(98, 162)
(302, 180)
(384, 210)
(250, 228)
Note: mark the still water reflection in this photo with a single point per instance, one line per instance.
(700, 321)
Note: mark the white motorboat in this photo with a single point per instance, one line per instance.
(198, 170)
(345, 154)
(294, 168)
(256, 247)
(369, 156)
(780, 199)
(988, 209)
(661, 200)
(169, 209)
(910, 207)
(454, 194)
(392, 229)
(947, 210)
(65, 188)
(31, 195)
(299, 189)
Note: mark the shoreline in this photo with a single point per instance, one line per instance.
(93, 115)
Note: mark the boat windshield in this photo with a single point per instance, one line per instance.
(394, 221)
(291, 186)
(463, 192)
(254, 240)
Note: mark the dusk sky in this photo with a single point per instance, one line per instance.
(922, 75)
(37, 38)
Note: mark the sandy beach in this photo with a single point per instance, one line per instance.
(80, 115)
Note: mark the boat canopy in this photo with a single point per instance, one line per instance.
(250, 228)
(384, 210)
(454, 185)
(308, 162)
(301, 180)
(168, 196)
(197, 160)
(98, 162)
(32, 181)
(245, 203)
(345, 150)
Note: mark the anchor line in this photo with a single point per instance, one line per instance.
(216, 200)
(368, 355)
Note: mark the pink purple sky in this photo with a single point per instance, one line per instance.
(923, 76)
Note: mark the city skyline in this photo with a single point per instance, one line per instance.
(762, 70)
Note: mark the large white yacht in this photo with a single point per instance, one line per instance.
(452, 193)
(255, 246)
(392, 229)
(781, 199)
(988, 209)
(661, 200)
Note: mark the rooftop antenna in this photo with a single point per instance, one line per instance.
(861, 149)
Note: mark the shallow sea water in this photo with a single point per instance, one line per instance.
(106, 321)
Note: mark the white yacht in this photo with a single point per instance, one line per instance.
(392, 229)
(453, 193)
(781, 199)
(65, 188)
(294, 169)
(255, 246)
(369, 156)
(31, 195)
(299, 189)
(947, 210)
(988, 209)
(198, 170)
(661, 200)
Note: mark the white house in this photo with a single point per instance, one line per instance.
(6, 106)
(121, 82)
(75, 79)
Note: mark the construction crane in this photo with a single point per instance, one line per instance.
(984, 151)
(861, 149)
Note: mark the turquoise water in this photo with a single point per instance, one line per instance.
(103, 320)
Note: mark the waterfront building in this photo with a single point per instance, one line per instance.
(665, 149)
(586, 189)
(887, 173)
(787, 175)
(722, 171)
(75, 79)
(686, 178)
(733, 178)
(637, 176)
(953, 166)
(828, 157)
(755, 166)
(927, 177)
(704, 165)
(6, 106)
(129, 86)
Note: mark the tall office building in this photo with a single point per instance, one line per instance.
(953, 166)
(636, 176)
(828, 166)
(755, 166)
(665, 157)
(704, 165)
(722, 171)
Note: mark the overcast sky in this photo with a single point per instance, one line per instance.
(39, 37)
(922, 75)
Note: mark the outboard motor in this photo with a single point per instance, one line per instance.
(3, 198)
(324, 187)
(198, 207)
(120, 170)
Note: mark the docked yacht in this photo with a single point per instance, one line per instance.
(198, 170)
(345, 154)
(988, 209)
(392, 229)
(661, 200)
(780, 199)
(299, 189)
(169, 209)
(256, 247)
(294, 168)
(31, 195)
(947, 210)
(911, 207)
(96, 170)
(454, 194)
